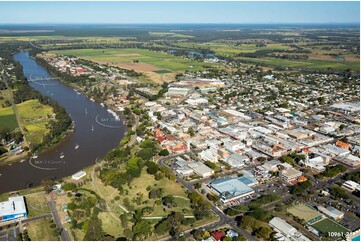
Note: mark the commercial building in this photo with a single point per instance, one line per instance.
(351, 185)
(290, 174)
(12, 209)
(230, 189)
(331, 212)
(285, 231)
(201, 169)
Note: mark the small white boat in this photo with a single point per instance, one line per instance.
(102, 104)
(35, 156)
(92, 128)
(76, 146)
(91, 99)
(22, 161)
(62, 155)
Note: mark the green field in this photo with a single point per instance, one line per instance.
(327, 225)
(7, 118)
(312, 64)
(34, 117)
(125, 58)
(170, 35)
(229, 49)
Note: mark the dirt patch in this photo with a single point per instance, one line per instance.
(321, 57)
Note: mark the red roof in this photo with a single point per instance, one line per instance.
(218, 235)
(160, 139)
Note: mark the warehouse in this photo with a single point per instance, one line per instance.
(13, 209)
(331, 212)
(285, 231)
(231, 188)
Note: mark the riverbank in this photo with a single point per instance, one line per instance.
(76, 149)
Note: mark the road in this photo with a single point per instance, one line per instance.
(223, 218)
(63, 233)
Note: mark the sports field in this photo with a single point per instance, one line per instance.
(327, 225)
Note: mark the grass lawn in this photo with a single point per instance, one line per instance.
(7, 118)
(110, 225)
(36, 204)
(40, 230)
(327, 225)
(34, 115)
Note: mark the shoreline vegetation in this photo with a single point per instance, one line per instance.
(61, 124)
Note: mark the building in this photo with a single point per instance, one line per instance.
(290, 174)
(237, 160)
(285, 231)
(201, 169)
(331, 212)
(12, 209)
(351, 185)
(209, 155)
(77, 176)
(229, 189)
(177, 91)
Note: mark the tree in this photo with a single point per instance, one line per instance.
(164, 152)
(191, 131)
(47, 185)
(69, 187)
(168, 200)
(124, 220)
(141, 229)
(263, 232)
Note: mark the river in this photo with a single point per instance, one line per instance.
(96, 132)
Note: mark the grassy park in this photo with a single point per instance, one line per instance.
(34, 117)
(42, 230)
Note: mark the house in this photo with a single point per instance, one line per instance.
(218, 235)
(232, 234)
(209, 155)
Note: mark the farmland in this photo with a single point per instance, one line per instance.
(155, 64)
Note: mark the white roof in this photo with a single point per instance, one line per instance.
(15, 205)
(282, 226)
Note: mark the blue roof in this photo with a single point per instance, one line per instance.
(247, 180)
(231, 187)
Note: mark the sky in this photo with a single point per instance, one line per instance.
(179, 12)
